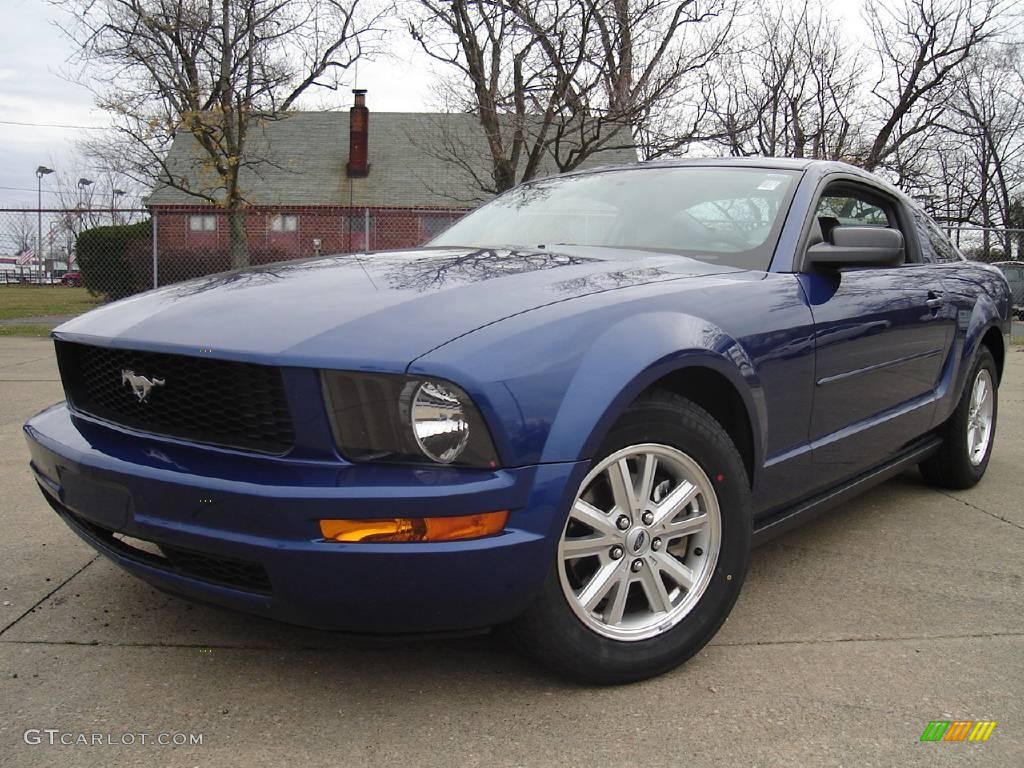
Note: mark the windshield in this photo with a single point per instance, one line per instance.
(723, 215)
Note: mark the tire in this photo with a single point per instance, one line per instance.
(589, 645)
(956, 466)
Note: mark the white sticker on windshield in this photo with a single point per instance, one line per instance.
(769, 184)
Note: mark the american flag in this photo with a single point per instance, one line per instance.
(26, 256)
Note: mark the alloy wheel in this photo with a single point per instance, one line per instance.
(641, 542)
(979, 417)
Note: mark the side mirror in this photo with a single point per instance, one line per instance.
(856, 246)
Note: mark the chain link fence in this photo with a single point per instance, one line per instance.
(988, 244)
(115, 253)
(112, 253)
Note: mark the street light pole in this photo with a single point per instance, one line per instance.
(114, 194)
(82, 184)
(41, 171)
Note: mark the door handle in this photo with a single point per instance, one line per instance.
(935, 301)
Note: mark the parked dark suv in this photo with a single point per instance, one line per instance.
(1014, 271)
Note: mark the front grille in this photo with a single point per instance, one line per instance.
(240, 574)
(221, 402)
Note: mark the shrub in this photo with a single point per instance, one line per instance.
(175, 266)
(103, 258)
(117, 261)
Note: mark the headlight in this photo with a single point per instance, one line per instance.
(439, 422)
(382, 417)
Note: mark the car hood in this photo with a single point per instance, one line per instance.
(367, 311)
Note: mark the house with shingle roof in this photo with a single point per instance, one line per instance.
(333, 182)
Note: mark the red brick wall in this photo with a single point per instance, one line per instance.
(340, 230)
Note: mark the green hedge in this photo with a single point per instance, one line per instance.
(104, 258)
(116, 262)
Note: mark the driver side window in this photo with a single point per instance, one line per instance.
(849, 210)
(848, 206)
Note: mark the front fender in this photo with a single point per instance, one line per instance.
(552, 382)
(646, 348)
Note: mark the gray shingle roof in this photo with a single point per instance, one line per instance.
(305, 156)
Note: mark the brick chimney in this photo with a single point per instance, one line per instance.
(358, 132)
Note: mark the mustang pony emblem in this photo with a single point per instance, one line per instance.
(140, 385)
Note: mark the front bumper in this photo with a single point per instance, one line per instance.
(242, 531)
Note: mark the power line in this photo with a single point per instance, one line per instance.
(54, 125)
(29, 189)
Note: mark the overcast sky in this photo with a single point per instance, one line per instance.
(34, 89)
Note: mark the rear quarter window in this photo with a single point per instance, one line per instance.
(936, 248)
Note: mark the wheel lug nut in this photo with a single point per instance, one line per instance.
(636, 566)
(648, 518)
(698, 551)
(622, 522)
(615, 553)
(656, 545)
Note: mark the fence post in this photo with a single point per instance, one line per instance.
(156, 281)
(366, 229)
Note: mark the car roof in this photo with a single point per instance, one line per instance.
(819, 168)
(777, 163)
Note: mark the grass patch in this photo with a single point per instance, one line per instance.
(33, 330)
(41, 300)
(1017, 341)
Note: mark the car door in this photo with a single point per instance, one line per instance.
(881, 337)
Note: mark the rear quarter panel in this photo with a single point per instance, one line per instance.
(983, 301)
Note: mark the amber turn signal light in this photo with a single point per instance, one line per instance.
(402, 529)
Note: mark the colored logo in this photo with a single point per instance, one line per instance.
(958, 730)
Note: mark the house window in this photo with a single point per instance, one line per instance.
(284, 222)
(202, 223)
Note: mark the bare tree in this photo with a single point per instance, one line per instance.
(970, 170)
(792, 89)
(990, 104)
(565, 79)
(641, 62)
(490, 54)
(21, 231)
(920, 46)
(212, 69)
(949, 182)
(89, 194)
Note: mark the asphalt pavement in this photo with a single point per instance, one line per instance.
(851, 635)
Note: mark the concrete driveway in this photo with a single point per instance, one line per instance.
(851, 634)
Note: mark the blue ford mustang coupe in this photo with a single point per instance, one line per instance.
(573, 412)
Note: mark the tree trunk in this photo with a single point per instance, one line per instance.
(239, 243)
